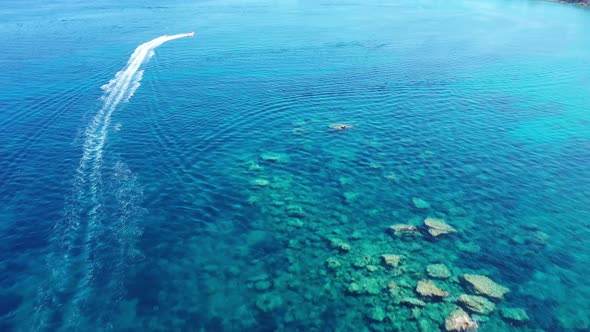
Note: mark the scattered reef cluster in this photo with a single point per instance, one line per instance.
(325, 231)
(395, 280)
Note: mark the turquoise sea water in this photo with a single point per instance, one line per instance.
(217, 198)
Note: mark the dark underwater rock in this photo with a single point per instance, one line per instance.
(514, 315)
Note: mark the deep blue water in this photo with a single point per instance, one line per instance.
(173, 214)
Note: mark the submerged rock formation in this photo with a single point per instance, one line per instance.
(368, 286)
(332, 263)
(437, 227)
(413, 302)
(460, 321)
(340, 245)
(268, 302)
(514, 315)
(404, 229)
(295, 211)
(377, 314)
(419, 203)
(438, 271)
(391, 260)
(476, 304)
(427, 288)
(259, 182)
(485, 286)
(273, 157)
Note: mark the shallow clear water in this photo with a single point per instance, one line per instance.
(479, 108)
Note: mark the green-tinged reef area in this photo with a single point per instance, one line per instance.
(406, 276)
(354, 241)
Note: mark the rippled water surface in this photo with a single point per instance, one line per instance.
(204, 190)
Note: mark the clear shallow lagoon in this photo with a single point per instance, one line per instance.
(223, 201)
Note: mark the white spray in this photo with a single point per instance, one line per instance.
(76, 233)
(120, 88)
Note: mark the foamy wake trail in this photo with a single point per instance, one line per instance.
(79, 237)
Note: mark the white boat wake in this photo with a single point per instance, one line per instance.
(80, 254)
